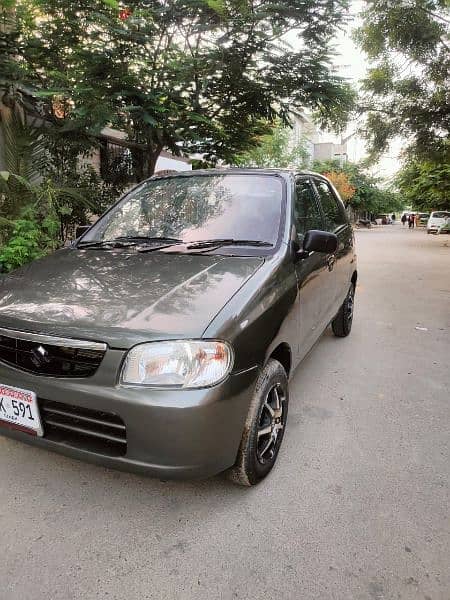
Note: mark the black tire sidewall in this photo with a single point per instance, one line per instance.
(348, 324)
(272, 374)
(341, 325)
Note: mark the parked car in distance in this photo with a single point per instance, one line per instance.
(437, 218)
(445, 227)
(162, 340)
(383, 219)
(422, 219)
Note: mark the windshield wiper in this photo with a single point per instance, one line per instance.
(126, 241)
(225, 242)
(151, 244)
(144, 238)
(100, 244)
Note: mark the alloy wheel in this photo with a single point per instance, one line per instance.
(350, 304)
(271, 423)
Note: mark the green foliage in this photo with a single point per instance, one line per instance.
(44, 194)
(425, 185)
(24, 158)
(29, 240)
(190, 76)
(369, 194)
(44, 174)
(275, 149)
(406, 90)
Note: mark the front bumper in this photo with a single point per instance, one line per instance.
(169, 434)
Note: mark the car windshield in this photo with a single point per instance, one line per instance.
(197, 207)
(440, 215)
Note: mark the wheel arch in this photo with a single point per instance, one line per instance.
(282, 353)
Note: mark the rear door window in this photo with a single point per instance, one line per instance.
(307, 212)
(333, 210)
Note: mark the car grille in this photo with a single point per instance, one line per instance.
(52, 359)
(83, 428)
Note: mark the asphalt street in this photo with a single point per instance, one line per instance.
(357, 507)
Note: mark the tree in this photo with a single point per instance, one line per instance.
(202, 76)
(342, 183)
(425, 185)
(275, 150)
(33, 191)
(369, 196)
(406, 91)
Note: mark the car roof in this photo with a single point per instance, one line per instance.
(238, 171)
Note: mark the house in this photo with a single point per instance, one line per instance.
(316, 142)
(115, 158)
(331, 151)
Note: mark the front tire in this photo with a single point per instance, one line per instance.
(342, 323)
(264, 427)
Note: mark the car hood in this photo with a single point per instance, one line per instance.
(121, 297)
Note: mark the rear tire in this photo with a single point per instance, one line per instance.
(264, 427)
(342, 323)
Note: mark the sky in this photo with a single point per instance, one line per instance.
(352, 64)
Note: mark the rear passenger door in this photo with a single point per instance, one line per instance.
(336, 221)
(314, 280)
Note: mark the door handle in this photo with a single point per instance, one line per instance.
(331, 261)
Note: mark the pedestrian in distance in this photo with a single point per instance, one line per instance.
(403, 219)
(393, 218)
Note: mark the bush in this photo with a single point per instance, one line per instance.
(28, 241)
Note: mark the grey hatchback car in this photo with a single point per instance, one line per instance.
(163, 339)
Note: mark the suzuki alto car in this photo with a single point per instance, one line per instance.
(162, 341)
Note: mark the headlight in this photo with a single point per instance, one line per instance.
(179, 364)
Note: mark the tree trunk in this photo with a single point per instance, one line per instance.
(144, 162)
(152, 159)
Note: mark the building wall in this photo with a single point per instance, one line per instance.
(173, 163)
(304, 132)
(317, 142)
(330, 151)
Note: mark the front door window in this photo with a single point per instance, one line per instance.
(307, 213)
(333, 211)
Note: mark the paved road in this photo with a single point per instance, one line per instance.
(358, 507)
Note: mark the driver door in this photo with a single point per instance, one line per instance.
(314, 280)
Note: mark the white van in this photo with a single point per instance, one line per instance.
(437, 218)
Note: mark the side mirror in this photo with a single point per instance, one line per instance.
(320, 241)
(79, 231)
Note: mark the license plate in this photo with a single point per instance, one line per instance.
(19, 410)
